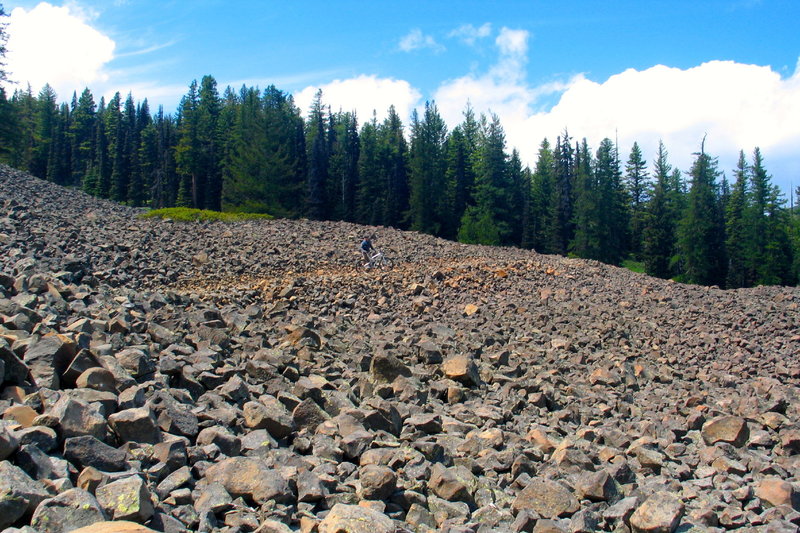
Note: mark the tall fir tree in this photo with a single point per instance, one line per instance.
(561, 225)
(318, 158)
(636, 181)
(658, 248)
(735, 232)
(542, 195)
(427, 178)
(701, 237)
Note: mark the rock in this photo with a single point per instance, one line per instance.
(68, 511)
(77, 418)
(117, 526)
(462, 369)
(16, 486)
(97, 378)
(48, 358)
(126, 499)
(227, 442)
(355, 519)
(549, 499)
(88, 451)
(213, 498)
(271, 415)
(776, 492)
(451, 484)
(138, 363)
(730, 429)
(597, 486)
(23, 415)
(135, 425)
(14, 370)
(13, 506)
(9, 442)
(660, 513)
(250, 478)
(385, 368)
(308, 415)
(377, 482)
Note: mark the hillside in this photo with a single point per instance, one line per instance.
(245, 375)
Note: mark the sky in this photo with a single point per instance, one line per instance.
(631, 70)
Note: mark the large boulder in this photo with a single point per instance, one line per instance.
(250, 478)
(68, 511)
(126, 499)
(345, 518)
(660, 513)
(548, 498)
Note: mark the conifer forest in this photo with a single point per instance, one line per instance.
(254, 150)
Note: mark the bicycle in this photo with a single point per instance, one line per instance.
(378, 260)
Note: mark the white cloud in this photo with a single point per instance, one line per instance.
(363, 94)
(738, 106)
(56, 45)
(469, 34)
(416, 40)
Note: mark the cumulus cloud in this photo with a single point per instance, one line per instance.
(470, 34)
(363, 94)
(738, 106)
(416, 40)
(56, 45)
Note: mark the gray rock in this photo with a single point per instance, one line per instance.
(126, 499)
(549, 499)
(88, 451)
(377, 482)
(77, 418)
(135, 425)
(68, 511)
(16, 486)
(660, 513)
(355, 519)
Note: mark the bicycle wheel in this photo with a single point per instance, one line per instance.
(387, 263)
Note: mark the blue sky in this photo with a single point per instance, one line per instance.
(631, 70)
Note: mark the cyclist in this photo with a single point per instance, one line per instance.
(366, 248)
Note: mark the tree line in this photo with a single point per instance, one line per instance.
(251, 150)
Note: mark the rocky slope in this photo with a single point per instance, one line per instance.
(240, 377)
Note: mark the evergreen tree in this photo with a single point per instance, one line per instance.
(318, 158)
(45, 119)
(3, 39)
(428, 186)
(488, 221)
(370, 199)
(587, 242)
(701, 234)
(542, 196)
(661, 220)
(768, 250)
(343, 166)
(187, 151)
(82, 136)
(735, 234)
(561, 225)
(394, 162)
(637, 187)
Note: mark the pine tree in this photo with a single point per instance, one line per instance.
(561, 225)
(318, 158)
(701, 234)
(370, 197)
(735, 231)
(428, 186)
(187, 151)
(542, 195)
(45, 119)
(394, 162)
(637, 186)
(488, 221)
(588, 241)
(82, 136)
(660, 221)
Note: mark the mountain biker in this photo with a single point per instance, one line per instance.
(366, 248)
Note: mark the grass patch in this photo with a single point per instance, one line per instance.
(185, 214)
(635, 266)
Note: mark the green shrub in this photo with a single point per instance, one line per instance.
(186, 214)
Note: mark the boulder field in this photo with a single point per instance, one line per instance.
(237, 377)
